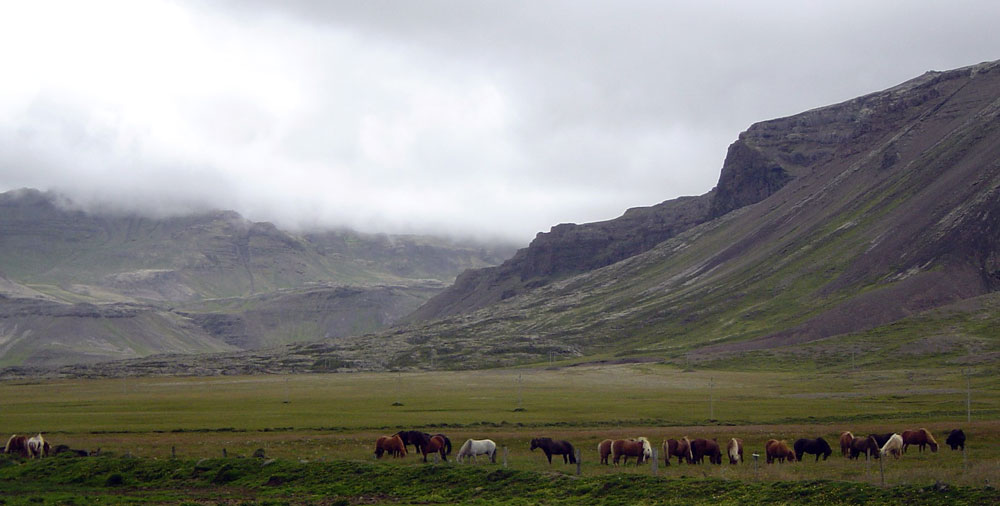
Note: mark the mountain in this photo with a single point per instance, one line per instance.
(88, 286)
(866, 228)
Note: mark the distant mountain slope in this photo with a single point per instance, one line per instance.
(873, 210)
(217, 254)
(84, 287)
(826, 225)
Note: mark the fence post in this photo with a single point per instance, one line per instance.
(578, 462)
(868, 463)
(755, 456)
(224, 455)
(881, 468)
(505, 457)
(173, 452)
(656, 460)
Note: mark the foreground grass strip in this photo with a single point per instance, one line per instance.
(109, 480)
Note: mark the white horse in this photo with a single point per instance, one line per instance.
(894, 446)
(474, 447)
(38, 447)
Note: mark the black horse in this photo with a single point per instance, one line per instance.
(552, 447)
(817, 447)
(420, 439)
(881, 439)
(956, 439)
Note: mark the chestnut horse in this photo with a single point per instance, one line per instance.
(735, 450)
(864, 445)
(845, 443)
(604, 450)
(638, 448)
(17, 445)
(555, 447)
(778, 450)
(700, 448)
(677, 448)
(435, 444)
(919, 437)
(393, 445)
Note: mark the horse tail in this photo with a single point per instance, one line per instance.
(572, 453)
(447, 444)
(7, 448)
(690, 453)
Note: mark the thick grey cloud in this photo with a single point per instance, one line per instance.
(486, 118)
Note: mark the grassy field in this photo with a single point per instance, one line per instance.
(326, 419)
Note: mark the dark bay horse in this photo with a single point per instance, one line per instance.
(817, 447)
(435, 444)
(638, 448)
(956, 439)
(420, 439)
(680, 448)
(701, 448)
(919, 437)
(555, 447)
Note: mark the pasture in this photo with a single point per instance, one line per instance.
(326, 419)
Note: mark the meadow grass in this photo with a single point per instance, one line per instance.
(336, 417)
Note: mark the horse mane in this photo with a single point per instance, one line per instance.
(466, 448)
(690, 453)
(930, 437)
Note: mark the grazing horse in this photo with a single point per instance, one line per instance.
(735, 450)
(413, 437)
(778, 450)
(894, 446)
(393, 445)
(881, 439)
(956, 439)
(638, 448)
(864, 445)
(817, 447)
(38, 447)
(677, 448)
(17, 445)
(436, 444)
(604, 450)
(845, 443)
(700, 448)
(475, 447)
(555, 447)
(919, 437)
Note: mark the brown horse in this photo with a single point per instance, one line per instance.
(919, 437)
(864, 445)
(778, 450)
(393, 445)
(17, 445)
(604, 450)
(435, 444)
(735, 450)
(677, 448)
(700, 448)
(845, 443)
(638, 448)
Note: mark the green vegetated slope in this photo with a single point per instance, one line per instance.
(108, 480)
(886, 209)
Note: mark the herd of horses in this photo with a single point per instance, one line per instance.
(692, 451)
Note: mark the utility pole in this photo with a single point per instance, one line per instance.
(711, 398)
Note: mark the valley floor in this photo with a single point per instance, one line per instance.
(191, 439)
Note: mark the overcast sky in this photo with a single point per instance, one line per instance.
(496, 119)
